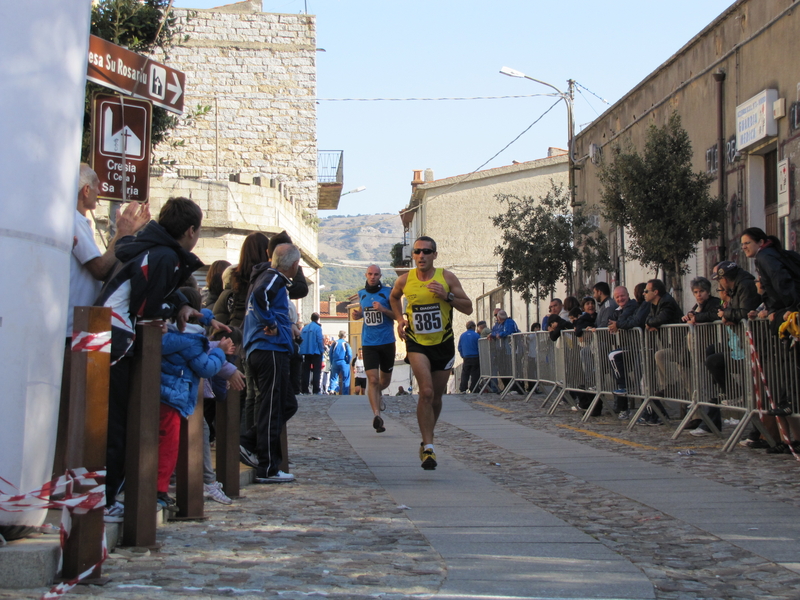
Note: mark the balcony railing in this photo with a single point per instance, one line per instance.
(330, 165)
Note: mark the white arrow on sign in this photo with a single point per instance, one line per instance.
(176, 87)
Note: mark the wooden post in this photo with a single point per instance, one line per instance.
(227, 428)
(189, 474)
(141, 456)
(85, 440)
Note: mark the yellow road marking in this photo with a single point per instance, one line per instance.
(505, 410)
(608, 437)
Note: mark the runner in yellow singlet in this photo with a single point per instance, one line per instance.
(427, 328)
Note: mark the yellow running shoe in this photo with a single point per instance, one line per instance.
(428, 460)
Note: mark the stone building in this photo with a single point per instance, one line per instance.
(456, 212)
(245, 149)
(736, 86)
(255, 75)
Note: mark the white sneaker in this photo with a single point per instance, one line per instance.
(279, 477)
(624, 415)
(699, 432)
(214, 491)
(114, 513)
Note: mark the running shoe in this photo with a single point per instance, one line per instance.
(377, 423)
(428, 460)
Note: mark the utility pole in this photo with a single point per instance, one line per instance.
(570, 140)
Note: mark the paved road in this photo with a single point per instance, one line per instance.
(522, 506)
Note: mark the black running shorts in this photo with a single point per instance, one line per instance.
(441, 356)
(379, 356)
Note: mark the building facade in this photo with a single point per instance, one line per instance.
(457, 212)
(736, 86)
(245, 149)
(253, 75)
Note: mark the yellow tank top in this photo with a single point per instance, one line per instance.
(430, 319)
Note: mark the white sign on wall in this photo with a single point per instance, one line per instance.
(754, 120)
(783, 188)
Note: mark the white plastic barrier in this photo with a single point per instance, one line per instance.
(44, 47)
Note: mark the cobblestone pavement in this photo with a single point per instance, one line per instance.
(336, 533)
(683, 562)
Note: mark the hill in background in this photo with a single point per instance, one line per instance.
(349, 244)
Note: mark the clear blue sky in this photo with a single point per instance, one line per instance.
(449, 48)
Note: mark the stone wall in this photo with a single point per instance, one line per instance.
(256, 72)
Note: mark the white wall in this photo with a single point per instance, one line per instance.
(43, 71)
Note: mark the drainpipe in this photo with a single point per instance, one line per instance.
(719, 78)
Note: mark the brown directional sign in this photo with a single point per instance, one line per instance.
(121, 128)
(130, 73)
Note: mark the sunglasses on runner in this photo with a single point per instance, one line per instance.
(424, 251)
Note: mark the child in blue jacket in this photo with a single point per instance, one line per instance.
(185, 358)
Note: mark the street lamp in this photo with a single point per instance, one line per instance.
(567, 98)
(355, 191)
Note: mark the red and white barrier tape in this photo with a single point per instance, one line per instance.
(755, 361)
(72, 503)
(83, 341)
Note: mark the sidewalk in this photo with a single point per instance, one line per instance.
(521, 506)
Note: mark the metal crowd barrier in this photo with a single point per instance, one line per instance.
(576, 372)
(777, 385)
(546, 359)
(618, 367)
(486, 361)
(496, 363)
(703, 368)
(524, 350)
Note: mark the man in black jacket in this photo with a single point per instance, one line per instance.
(742, 291)
(154, 264)
(664, 309)
(606, 305)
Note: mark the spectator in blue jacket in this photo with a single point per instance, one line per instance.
(468, 349)
(268, 343)
(341, 354)
(185, 358)
(312, 348)
(504, 328)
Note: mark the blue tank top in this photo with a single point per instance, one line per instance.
(377, 329)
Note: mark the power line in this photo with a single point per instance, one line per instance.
(592, 93)
(426, 99)
(461, 179)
